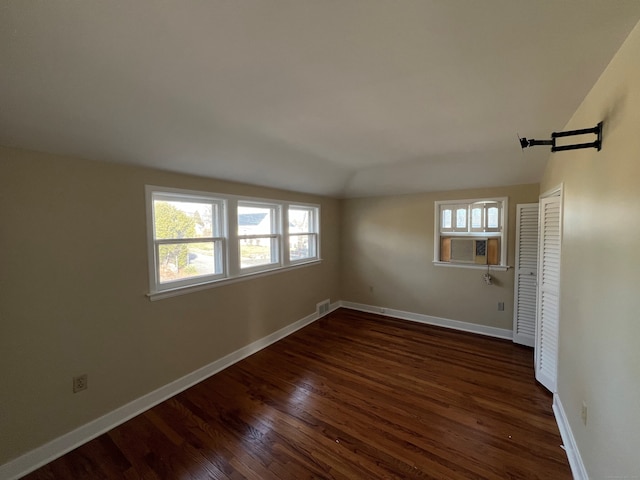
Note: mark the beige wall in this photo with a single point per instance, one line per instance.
(73, 279)
(387, 244)
(599, 351)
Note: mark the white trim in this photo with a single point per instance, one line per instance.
(471, 200)
(428, 319)
(495, 268)
(571, 448)
(48, 452)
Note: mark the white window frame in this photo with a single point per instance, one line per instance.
(470, 232)
(275, 236)
(228, 239)
(219, 240)
(312, 234)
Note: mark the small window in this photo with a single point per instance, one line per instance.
(493, 217)
(303, 233)
(446, 218)
(258, 235)
(477, 218)
(461, 219)
(471, 232)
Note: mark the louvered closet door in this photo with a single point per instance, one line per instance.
(548, 316)
(524, 311)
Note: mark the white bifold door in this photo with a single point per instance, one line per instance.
(548, 293)
(526, 274)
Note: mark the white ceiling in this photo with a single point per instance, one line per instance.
(343, 98)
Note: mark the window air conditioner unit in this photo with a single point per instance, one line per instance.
(469, 250)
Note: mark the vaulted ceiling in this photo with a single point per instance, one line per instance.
(343, 98)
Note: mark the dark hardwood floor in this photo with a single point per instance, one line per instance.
(351, 396)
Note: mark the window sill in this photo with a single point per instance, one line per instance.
(174, 292)
(495, 268)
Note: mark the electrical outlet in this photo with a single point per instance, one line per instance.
(80, 383)
(501, 306)
(583, 414)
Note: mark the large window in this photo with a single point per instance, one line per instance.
(471, 233)
(200, 239)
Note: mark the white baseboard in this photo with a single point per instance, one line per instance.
(56, 448)
(428, 319)
(573, 454)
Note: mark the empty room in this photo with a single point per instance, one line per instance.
(356, 239)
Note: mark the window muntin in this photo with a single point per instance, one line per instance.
(303, 236)
(259, 236)
(200, 239)
(481, 219)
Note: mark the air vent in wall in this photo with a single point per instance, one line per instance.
(322, 308)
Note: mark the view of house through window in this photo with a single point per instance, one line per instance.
(258, 234)
(197, 238)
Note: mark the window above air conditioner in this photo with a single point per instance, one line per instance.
(471, 233)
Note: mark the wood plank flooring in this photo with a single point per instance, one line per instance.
(352, 396)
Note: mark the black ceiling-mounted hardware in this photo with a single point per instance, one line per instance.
(597, 130)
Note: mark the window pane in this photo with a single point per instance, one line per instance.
(446, 218)
(174, 219)
(254, 220)
(256, 251)
(178, 261)
(476, 217)
(461, 218)
(493, 219)
(300, 220)
(301, 247)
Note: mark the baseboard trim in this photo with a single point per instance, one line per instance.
(573, 454)
(428, 319)
(48, 452)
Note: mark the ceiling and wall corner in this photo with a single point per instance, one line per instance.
(345, 99)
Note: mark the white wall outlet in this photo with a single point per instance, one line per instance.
(583, 414)
(80, 383)
(501, 306)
